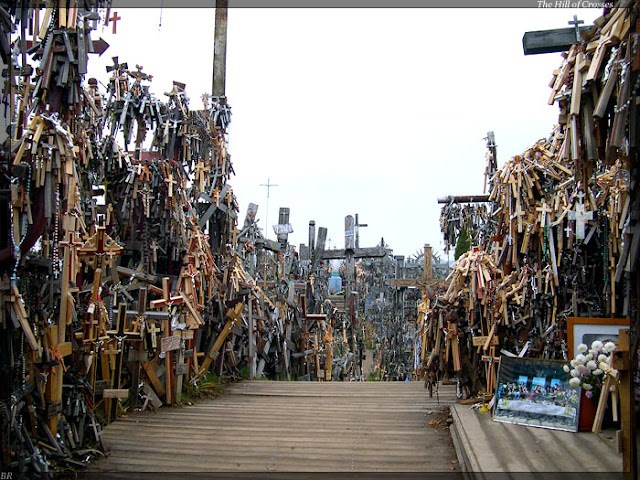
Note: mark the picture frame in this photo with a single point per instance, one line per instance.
(587, 329)
(536, 393)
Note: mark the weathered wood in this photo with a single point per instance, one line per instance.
(329, 426)
(549, 41)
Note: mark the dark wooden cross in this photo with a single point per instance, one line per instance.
(120, 336)
(350, 253)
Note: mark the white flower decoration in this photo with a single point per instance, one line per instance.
(609, 347)
(581, 359)
(597, 345)
(566, 368)
(587, 387)
(589, 357)
(597, 371)
(574, 373)
(582, 348)
(592, 365)
(573, 363)
(574, 382)
(602, 358)
(603, 366)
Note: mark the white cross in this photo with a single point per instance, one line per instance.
(580, 215)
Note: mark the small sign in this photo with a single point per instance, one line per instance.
(480, 340)
(115, 393)
(181, 369)
(169, 344)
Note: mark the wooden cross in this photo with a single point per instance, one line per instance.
(202, 172)
(544, 209)
(171, 183)
(581, 216)
(114, 20)
(98, 246)
(120, 335)
(166, 302)
(70, 245)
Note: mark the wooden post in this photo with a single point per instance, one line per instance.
(220, 49)
(622, 363)
(252, 342)
(427, 272)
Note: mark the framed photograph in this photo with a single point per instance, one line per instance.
(536, 393)
(587, 330)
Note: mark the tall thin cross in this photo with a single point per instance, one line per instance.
(268, 185)
(576, 25)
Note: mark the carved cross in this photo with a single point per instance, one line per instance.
(98, 246)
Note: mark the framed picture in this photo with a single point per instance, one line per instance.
(587, 330)
(536, 393)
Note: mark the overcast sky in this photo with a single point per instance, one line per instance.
(369, 111)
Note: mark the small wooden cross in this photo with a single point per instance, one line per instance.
(71, 244)
(544, 209)
(167, 300)
(171, 183)
(201, 174)
(114, 20)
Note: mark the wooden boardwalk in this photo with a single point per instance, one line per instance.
(289, 427)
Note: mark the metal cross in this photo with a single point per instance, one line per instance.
(576, 25)
(268, 185)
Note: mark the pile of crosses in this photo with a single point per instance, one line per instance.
(561, 238)
(124, 276)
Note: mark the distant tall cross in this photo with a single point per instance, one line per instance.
(268, 185)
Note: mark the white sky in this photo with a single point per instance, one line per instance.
(369, 111)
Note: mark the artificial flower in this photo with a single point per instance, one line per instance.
(602, 358)
(609, 347)
(591, 365)
(582, 348)
(588, 394)
(581, 359)
(566, 368)
(587, 387)
(598, 371)
(574, 382)
(597, 345)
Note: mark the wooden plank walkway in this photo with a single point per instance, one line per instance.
(264, 426)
